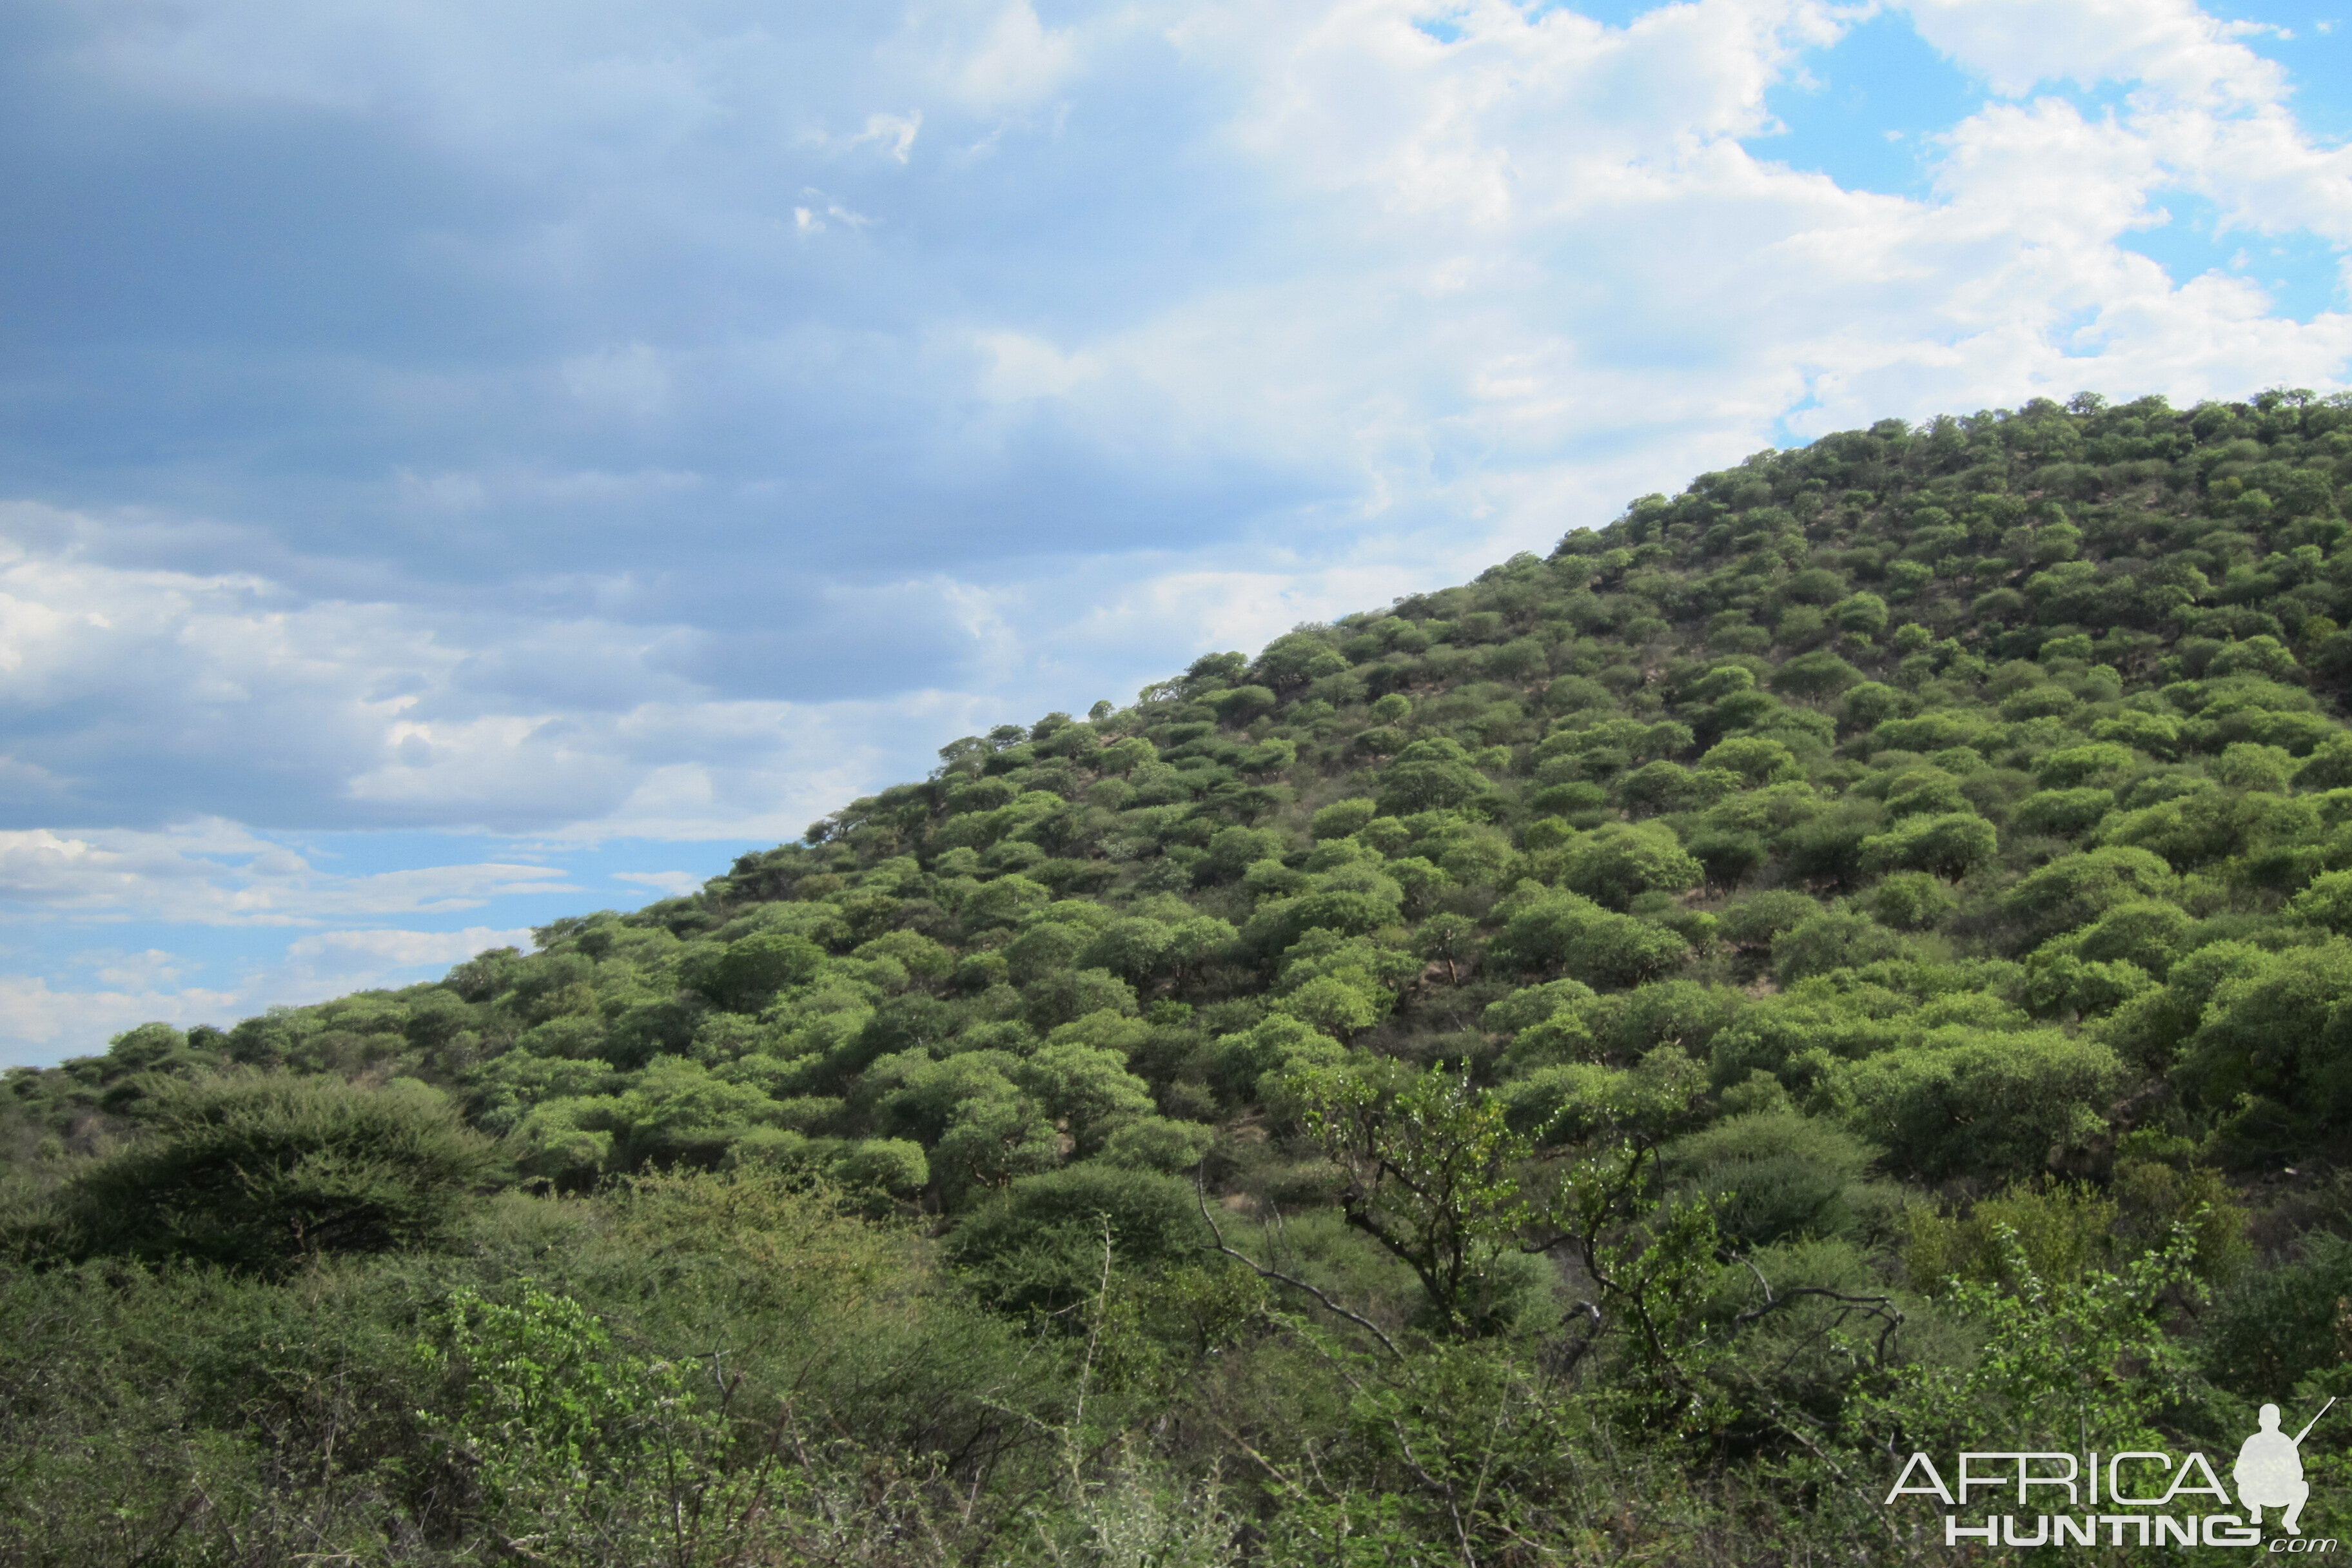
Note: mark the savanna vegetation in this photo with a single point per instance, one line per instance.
(1594, 1065)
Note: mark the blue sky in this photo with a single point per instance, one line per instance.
(464, 465)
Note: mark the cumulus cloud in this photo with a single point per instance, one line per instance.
(339, 955)
(215, 873)
(728, 525)
(671, 884)
(231, 696)
(35, 1018)
(41, 1021)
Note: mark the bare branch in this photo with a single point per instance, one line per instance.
(1201, 1194)
(1882, 1307)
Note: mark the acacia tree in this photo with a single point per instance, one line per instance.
(1436, 1175)
(1432, 1173)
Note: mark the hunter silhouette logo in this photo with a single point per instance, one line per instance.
(2269, 1472)
(2137, 1498)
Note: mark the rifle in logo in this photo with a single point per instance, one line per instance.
(2269, 1472)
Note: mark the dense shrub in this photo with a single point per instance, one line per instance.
(262, 1173)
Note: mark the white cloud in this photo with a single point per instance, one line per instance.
(2205, 112)
(2168, 45)
(1523, 274)
(671, 884)
(895, 131)
(35, 1017)
(992, 55)
(340, 953)
(217, 873)
(39, 1021)
(375, 712)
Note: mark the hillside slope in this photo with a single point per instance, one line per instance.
(1990, 721)
(1922, 856)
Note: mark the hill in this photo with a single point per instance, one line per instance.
(1854, 957)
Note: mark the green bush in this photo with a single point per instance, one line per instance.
(263, 1173)
(1910, 901)
(1830, 940)
(2075, 889)
(1949, 844)
(1344, 818)
(2274, 1328)
(1040, 1249)
(2064, 813)
(1967, 1101)
(2057, 1233)
(1617, 861)
(1776, 1175)
(1565, 932)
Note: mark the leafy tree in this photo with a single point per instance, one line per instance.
(1428, 1165)
(1085, 1087)
(1449, 939)
(1755, 758)
(2075, 889)
(1617, 861)
(1040, 1248)
(1861, 614)
(1830, 940)
(264, 1172)
(1726, 859)
(1816, 675)
(1242, 1060)
(1342, 819)
(1970, 1101)
(1564, 933)
(1910, 901)
(1949, 844)
(1772, 1175)
(1429, 775)
(1292, 661)
(2064, 813)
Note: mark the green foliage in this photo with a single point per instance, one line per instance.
(2273, 1048)
(1775, 1175)
(1910, 901)
(1428, 1163)
(1827, 941)
(265, 1172)
(743, 976)
(1617, 861)
(1563, 933)
(1950, 843)
(1971, 1101)
(1241, 1062)
(2076, 890)
(1041, 1248)
(2274, 1329)
(554, 1423)
(2064, 813)
(2080, 1361)
(2045, 1233)
(1429, 774)
(2326, 903)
